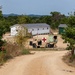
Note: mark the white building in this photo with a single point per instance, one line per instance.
(37, 28)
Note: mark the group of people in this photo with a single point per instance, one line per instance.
(38, 43)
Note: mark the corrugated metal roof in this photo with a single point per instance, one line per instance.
(34, 25)
(63, 25)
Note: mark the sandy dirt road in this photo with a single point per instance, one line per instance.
(39, 63)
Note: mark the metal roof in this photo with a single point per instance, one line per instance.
(34, 25)
(63, 25)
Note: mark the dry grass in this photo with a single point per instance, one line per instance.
(11, 50)
(69, 59)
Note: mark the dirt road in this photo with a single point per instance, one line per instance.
(39, 63)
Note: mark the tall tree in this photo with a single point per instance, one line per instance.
(1, 25)
(69, 36)
(56, 18)
(71, 21)
(22, 35)
(1, 16)
(21, 19)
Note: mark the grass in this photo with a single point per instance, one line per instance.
(44, 49)
(25, 51)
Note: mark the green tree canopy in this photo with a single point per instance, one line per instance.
(71, 21)
(1, 16)
(69, 36)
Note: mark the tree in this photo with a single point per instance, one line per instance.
(1, 16)
(56, 18)
(1, 25)
(1, 30)
(21, 19)
(69, 36)
(22, 35)
(55, 13)
(71, 21)
(64, 20)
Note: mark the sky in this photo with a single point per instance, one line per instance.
(39, 7)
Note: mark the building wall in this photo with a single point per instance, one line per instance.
(34, 31)
(13, 31)
(61, 30)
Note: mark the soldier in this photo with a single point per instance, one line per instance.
(55, 41)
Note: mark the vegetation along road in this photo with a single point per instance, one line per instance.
(38, 63)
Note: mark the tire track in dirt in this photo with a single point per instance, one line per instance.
(40, 63)
(50, 64)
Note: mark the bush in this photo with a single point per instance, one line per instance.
(3, 57)
(11, 50)
(72, 58)
(69, 57)
(69, 48)
(1, 44)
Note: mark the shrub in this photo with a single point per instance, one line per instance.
(1, 44)
(12, 49)
(3, 57)
(72, 58)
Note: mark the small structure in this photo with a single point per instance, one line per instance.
(37, 28)
(62, 28)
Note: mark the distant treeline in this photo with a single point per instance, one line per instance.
(54, 19)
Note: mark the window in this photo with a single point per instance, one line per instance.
(17, 30)
(47, 27)
(38, 28)
(32, 29)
